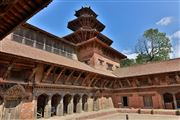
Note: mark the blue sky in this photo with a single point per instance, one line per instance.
(125, 20)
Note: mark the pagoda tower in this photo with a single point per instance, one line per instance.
(93, 47)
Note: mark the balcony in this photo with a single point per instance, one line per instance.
(42, 46)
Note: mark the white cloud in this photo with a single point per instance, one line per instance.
(175, 41)
(129, 54)
(176, 35)
(165, 21)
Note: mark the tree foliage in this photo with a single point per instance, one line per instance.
(127, 62)
(153, 46)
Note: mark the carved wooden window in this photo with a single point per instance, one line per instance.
(109, 66)
(148, 101)
(100, 62)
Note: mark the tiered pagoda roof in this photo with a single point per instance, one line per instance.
(86, 26)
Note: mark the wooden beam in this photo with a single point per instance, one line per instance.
(47, 73)
(137, 82)
(59, 75)
(149, 81)
(120, 84)
(75, 81)
(129, 83)
(177, 78)
(102, 85)
(32, 74)
(105, 84)
(93, 85)
(112, 83)
(10, 66)
(167, 79)
(17, 64)
(86, 78)
(92, 80)
(66, 81)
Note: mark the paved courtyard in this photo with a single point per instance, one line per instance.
(131, 116)
(114, 116)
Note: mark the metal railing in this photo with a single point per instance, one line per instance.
(42, 46)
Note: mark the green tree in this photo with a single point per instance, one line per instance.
(153, 46)
(127, 62)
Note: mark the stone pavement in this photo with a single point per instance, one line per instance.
(111, 114)
(135, 116)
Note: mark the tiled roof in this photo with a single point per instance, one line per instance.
(14, 48)
(172, 65)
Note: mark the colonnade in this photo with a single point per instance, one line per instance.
(171, 100)
(59, 105)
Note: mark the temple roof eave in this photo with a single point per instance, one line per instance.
(95, 39)
(17, 13)
(74, 24)
(97, 34)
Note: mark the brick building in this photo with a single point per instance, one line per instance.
(42, 75)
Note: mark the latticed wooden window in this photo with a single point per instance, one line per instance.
(109, 66)
(147, 101)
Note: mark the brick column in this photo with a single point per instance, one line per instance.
(174, 101)
(79, 105)
(70, 106)
(47, 109)
(60, 108)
